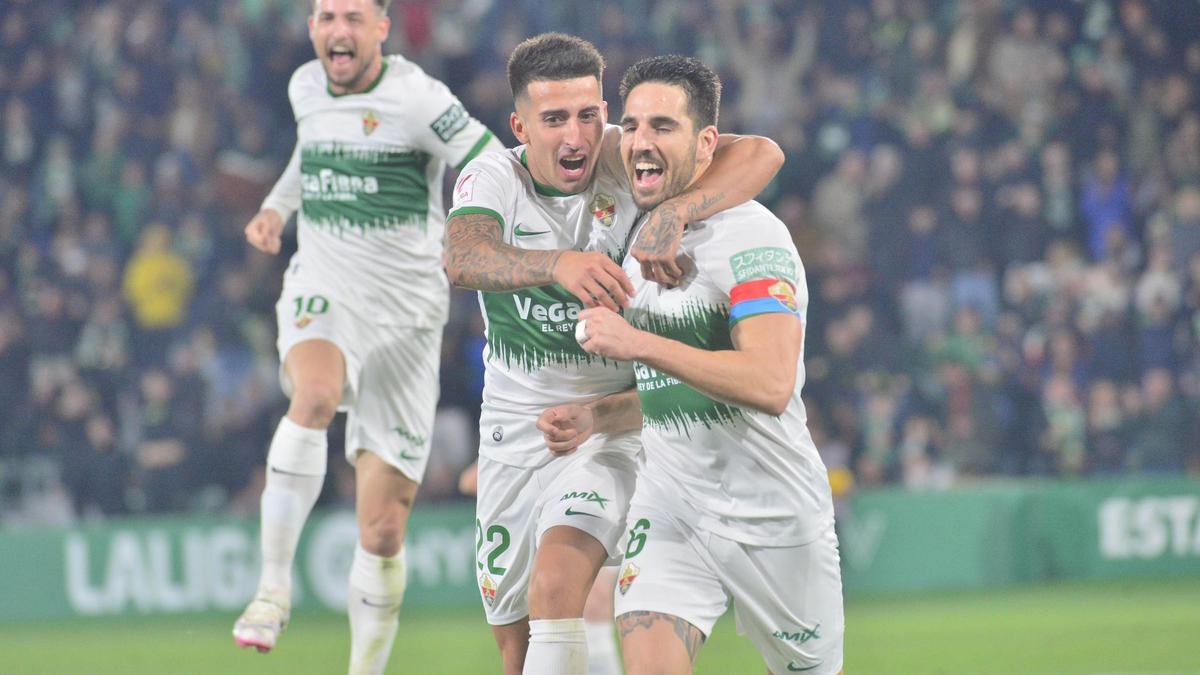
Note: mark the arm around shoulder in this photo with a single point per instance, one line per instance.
(742, 167)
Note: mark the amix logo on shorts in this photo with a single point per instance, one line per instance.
(803, 636)
(413, 440)
(587, 497)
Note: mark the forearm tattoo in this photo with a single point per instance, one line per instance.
(689, 635)
(665, 228)
(705, 208)
(660, 232)
(476, 258)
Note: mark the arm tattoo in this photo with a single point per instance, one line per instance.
(476, 258)
(705, 208)
(665, 228)
(689, 635)
(658, 234)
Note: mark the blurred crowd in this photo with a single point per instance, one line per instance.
(998, 204)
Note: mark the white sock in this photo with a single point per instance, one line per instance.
(295, 473)
(557, 647)
(602, 655)
(376, 590)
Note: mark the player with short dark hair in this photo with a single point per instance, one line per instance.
(732, 500)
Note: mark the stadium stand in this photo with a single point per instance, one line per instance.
(998, 204)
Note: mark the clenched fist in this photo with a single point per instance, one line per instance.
(566, 427)
(608, 334)
(265, 231)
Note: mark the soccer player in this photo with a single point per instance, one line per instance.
(732, 501)
(602, 655)
(538, 229)
(363, 304)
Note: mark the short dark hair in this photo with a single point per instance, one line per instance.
(552, 56)
(699, 82)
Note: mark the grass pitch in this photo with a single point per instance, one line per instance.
(1145, 627)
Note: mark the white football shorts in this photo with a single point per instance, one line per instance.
(588, 490)
(391, 389)
(787, 600)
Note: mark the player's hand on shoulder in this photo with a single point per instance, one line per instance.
(657, 246)
(265, 231)
(605, 333)
(593, 278)
(566, 427)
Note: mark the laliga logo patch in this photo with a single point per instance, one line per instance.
(604, 208)
(465, 190)
(370, 122)
(784, 293)
(488, 588)
(628, 576)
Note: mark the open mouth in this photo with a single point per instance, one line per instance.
(647, 173)
(573, 166)
(341, 54)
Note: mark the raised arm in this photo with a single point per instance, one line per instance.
(265, 231)
(566, 427)
(477, 258)
(759, 372)
(284, 197)
(742, 166)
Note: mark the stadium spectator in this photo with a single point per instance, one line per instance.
(158, 286)
(1160, 427)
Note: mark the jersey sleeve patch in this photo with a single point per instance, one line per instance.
(762, 296)
(464, 189)
(450, 122)
(764, 261)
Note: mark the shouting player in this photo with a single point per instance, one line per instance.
(363, 305)
(732, 500)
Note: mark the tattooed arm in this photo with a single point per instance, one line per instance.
(741, 167)
(476, 258)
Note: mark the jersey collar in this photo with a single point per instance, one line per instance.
(543, 190)
(375, 83)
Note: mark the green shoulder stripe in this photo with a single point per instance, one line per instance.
(476, 210)
(476, 149)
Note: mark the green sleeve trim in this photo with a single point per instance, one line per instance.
(476, 211)
(476, 149)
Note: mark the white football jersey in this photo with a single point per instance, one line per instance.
(532, 359)
(366, 176)
(746, 475)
